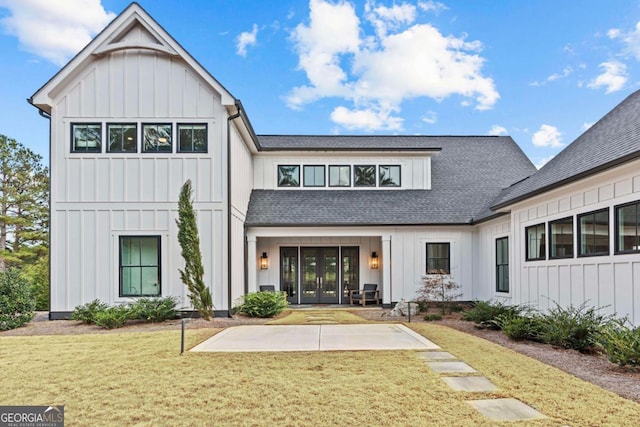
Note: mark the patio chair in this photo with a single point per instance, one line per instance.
(369, 293)
(267, 288)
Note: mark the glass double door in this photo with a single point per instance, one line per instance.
(319, 275)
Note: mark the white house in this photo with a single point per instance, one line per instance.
(133, 116)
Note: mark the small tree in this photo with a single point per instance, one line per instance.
(193, 273)
(440, 289)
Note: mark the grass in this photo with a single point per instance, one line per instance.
(140, 379)
(318, 317)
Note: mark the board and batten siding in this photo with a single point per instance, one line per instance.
(611, 282)
(484, 260)
(96, 197)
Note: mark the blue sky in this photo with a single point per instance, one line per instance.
(540, 71)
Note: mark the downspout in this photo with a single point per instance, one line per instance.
(229, 120)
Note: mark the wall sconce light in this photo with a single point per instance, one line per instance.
(374, 260)
(264, 261)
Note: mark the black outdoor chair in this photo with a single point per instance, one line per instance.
(369, 293)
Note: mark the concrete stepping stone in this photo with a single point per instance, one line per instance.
(436, 355)
(505, 409)
(451, 367)
(473, 384)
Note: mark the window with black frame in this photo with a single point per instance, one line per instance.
(502, 264)
(122, 137)
(628, 228)
(86, 137)
(139, 266)
(438, 258)
(593, 233)
(535, 238)
(288, 176)
(561, 238)
(364, 175)
(156, 138)
(192, 138)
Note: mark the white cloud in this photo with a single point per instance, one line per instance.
(547, 136)
(586, 126)
(613, 78)
(377, 73)
(432, 6)
(497, 130)
(55, 30)
(631, 39)
(366, 119)
(246, 39)
(543, 161)
(566, 71)
(431, 117)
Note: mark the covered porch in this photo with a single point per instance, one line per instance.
(319, 265)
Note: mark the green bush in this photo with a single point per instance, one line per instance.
(485, 313)
(621, 344)
(263, 304)
(17, 306)
(520, 327)
(432, 317)
(576, 328)
(87, 313)
(154, 309)
(113, 317)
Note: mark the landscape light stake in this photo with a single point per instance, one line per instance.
(182, 338)
(409, 305)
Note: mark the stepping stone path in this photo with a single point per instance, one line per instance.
(443, 362)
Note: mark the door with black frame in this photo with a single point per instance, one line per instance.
(319, 275)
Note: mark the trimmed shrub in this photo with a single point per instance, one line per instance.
(576, 328)
(263, 304)
(485, 313)
(432, 317)
(621, 344)
(154, 309)
(87, 313)
(17, 305)
(113, 317)
(520, 327)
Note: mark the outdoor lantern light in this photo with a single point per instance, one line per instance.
(374, 260)
(264, 261)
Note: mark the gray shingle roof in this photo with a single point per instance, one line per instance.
(612, 140)
(467, 175)
(349, 142)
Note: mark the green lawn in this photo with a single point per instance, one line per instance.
(141, 379)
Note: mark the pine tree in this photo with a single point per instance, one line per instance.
(193, 273)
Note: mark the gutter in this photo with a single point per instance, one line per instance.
(229, 120)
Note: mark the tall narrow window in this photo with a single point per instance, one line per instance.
(502, 264)
(139, 266)
(350, 271)
(593, 233)
(364, 175)
(86, 137)
(628, 228)
(535, 242)
(339, 176)
(313, 176)
(438, 258)
(156, 138)
(389, 176)
(122, 138)
(192, 138)
(289, 273)
(288, 176)
(561, 238)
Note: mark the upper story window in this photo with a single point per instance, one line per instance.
(313, 176)
(339, 176)
(156, 138)
(288, 176)
(123, 138)
(389, 176)
(628, 228)
(364, 175)
(561, 238)
(438, 258)
(593, 233)
(192, 138)
(86, 137)
(535, 242)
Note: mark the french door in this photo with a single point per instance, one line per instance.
(319, 275)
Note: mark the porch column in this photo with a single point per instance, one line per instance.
(252, 262)
(386, 269)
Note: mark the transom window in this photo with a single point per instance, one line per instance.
(192, 138)
(123, 137)
(502, 264)
(593, 233)
(313, 176)
(535, 242)
(139, 266)
(561, 238)
(156, 138)
(389, 176)
(288, 176)
(86, 137)
(438, 258)
(628, 228)
(339, 176)
(364, 175)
